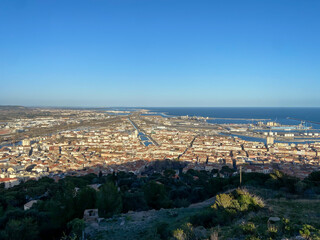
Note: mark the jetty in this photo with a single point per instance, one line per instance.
(297, 119)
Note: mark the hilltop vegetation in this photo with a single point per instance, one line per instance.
(59, 211)
(237, 214)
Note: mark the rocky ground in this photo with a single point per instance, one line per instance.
(136, 225)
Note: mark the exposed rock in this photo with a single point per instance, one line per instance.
(273, 219)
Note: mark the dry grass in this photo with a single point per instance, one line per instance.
(300, 211)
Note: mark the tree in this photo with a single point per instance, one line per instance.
(1, 210)
(300, 187)
(24, 229)
(109, 200)
(134, 201)
(227, 170)
(76, 226)
(86, 199)
(314, 178)
(156, 195)
(169, 173)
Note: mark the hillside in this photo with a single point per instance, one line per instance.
(144, 224)
(162, 205)
(297, 219)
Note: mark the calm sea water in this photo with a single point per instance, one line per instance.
(279, 115)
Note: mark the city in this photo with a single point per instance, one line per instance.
(159, 120)
(131, 142)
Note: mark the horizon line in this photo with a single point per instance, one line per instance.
(99, 107)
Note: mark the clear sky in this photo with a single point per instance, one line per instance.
(160, 53)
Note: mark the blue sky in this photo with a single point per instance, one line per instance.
(160, 53)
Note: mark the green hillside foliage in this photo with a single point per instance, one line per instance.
(59, 203)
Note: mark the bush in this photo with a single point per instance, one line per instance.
(309, 232)
(252, 238)
(226, 207)
(179, 234)
(163, 230)
(223, 201)
(76, 227)
(178, 203)
(238, 201)
(184, 233)
(205, 218)
(273, 231)
(248, 228)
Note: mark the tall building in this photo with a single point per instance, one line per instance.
(135, 134)
(25, 142)
(270, 140)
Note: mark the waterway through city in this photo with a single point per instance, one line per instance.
(144, 139)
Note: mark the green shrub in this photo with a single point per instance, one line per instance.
(210, 218)
(248, 228)
(179, 234)
(309, 232)
(226, 207)
(272, 231)
(239, 201)
(252, 238)
(185, 232)
(287, 227)
(163, 230)
(76, 227)
(223, 201)
(178, 203)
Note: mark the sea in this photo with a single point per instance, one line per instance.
(242, 115)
